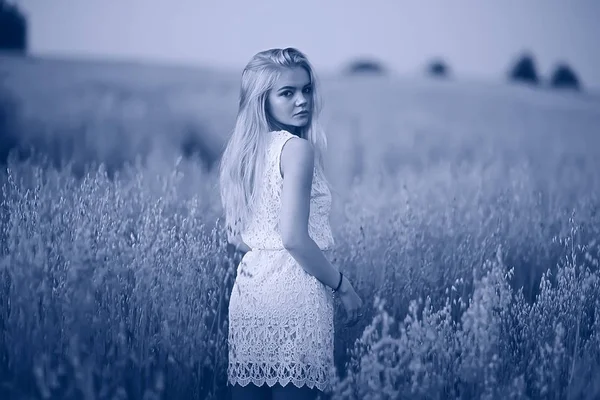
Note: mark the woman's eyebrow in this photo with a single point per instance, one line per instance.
(292, 87)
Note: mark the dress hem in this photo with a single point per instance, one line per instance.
(323, 387)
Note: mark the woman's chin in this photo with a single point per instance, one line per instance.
(300, 123)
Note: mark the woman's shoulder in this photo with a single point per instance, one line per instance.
(284, 133)
(287, 138)
(297, 153)
(281, 139)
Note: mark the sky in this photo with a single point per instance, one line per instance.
(477, 38)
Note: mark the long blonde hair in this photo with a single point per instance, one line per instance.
(242, 162)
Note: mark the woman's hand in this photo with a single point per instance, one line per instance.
(351, 301)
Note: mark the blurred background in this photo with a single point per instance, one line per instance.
(109, 80)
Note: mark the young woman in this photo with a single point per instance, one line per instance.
(277, 202)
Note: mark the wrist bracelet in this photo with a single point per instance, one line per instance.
(339, 283)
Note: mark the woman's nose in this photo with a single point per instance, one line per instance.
(301, 99)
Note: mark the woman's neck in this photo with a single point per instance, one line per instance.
(292, 129)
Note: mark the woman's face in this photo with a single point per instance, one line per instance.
(290, 100)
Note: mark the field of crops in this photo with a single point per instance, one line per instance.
(465, 213)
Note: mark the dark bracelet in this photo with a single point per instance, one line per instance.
(339, 283)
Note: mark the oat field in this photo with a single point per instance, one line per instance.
(466, 213)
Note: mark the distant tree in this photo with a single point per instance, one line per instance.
(366, 67)
(564, 78)
(525, 70)
(438, 68)
(13, 28)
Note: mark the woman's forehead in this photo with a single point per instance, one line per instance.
(294, 77)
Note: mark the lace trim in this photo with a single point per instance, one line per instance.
(261, 373)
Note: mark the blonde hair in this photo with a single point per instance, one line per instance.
(242, 163)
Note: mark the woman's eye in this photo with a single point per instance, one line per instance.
(308, 90)
(287, 93)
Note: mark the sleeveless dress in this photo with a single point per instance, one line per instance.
(280, 317)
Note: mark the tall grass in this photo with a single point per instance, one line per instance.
(478, 283)
(468, 223)
(111, 288)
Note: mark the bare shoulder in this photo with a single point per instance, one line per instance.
(297, 158)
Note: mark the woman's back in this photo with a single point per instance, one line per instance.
(263, 230)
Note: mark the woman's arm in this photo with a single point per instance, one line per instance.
(297, 166)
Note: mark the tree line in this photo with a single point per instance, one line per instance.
(523, 70)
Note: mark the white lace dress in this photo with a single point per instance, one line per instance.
(280, 317)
